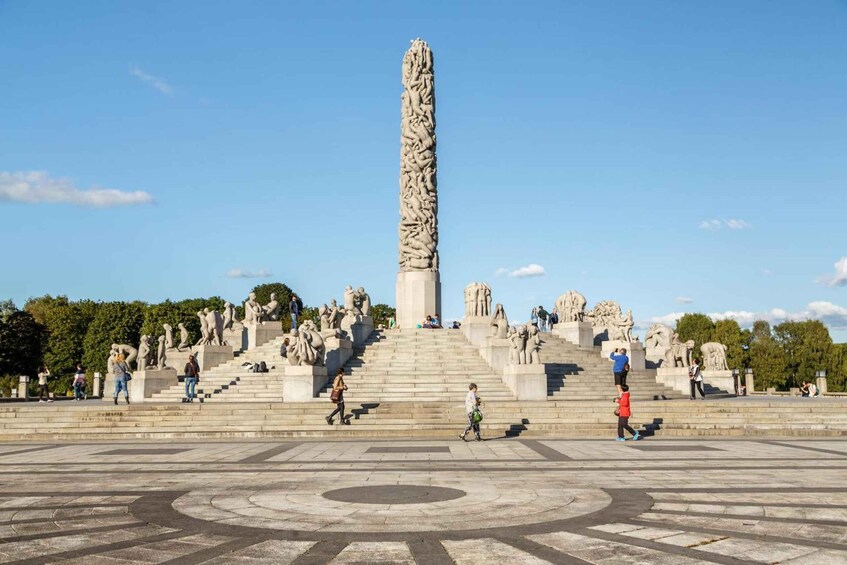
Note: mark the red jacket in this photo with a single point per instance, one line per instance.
(623, 401)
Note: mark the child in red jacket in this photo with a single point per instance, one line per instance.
(624, 412)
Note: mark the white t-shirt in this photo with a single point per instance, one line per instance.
(695, 371)
(42, 378)
(470, 401)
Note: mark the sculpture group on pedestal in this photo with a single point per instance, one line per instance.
(306, 346)
(526, 344)
(162, 356)
(571, 307)
(129, 352)
(477, 300)
(229, 316)
(714, 356)
(663, 342)
(607, 316)
(255, 313)
(418, 229)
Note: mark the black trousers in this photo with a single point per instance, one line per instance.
(338, 408)
(699, 386)
(43, 393)
(623, 424)
(620, 378)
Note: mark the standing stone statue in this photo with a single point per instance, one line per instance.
(144, 354)
(625, 325)
(229, 316)
(215, 324)
(533, 344)
(470, 299)
(270, 311)
(183, 337)
(499, 322)
(571, 306)
(519, 340)
(162, 354)
(204, 327)
(169, 336)
(350, 307)
(253, 312)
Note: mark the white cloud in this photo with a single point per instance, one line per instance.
(732, 223)
(501, 271)
(832, 315)
(667, 319)
(684, 300)
(840, 276)
(531, 270)
(159, 84)
(242, 274)
(34, 187)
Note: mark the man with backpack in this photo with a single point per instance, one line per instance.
(542, 318)
(620, 369)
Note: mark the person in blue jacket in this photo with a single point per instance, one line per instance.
(621, 367)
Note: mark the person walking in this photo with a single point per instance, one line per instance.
(624, 411)
(472, 403)
(294, 308)
(192, 376)
(620, 369)
(121, 372)
(533, 317)
(337, 396)
(79, 383)
(695, 376)
(43, 391)
(542, 318)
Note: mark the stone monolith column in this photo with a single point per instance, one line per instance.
(418, 282)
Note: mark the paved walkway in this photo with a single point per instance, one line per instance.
(512, 501)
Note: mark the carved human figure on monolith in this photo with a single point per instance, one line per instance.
(270, 311)
(350, 307)
(162, 356)
(519, 341)
(229, 316)
(204, 327)
(215, 323)
(533, 344)
(499, 322)
(253, 311)
(363, 301)
(144, 353)
(169, 336)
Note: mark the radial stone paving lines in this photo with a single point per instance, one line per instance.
(429, 501)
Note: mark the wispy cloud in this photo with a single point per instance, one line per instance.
(833, 315)
(501, 271)
(36, 187)
(242, 274)
(732, 224)
(159, 84)
(839, 278)
(531, 270)
(684, 300)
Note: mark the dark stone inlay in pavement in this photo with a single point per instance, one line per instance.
(394, 494)
(269, 453)
(656, 447)
(545, 451)
(145, 451)
(411, 449)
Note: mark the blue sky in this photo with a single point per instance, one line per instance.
(675, 156)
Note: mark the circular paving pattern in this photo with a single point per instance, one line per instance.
(394, 494)
(344, 505)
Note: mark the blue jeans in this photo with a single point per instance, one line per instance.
(190, 383)
(79, 390)
(293, 321)
(120, 383)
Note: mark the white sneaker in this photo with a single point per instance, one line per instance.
(50, 400)
(41, 402)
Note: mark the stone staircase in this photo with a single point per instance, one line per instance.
(64, 421)
(576, 373)
(220, 383)
(418, 365)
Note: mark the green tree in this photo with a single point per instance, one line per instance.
(283, 296)
(698, 327)
(173, 313)
(21, 344)
(836, 371)
(115, 322)
(767, 358)
(382, 312)
(806, 346)
(729, 333)
(6, 308)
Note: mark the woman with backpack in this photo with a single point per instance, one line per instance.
(337, 396)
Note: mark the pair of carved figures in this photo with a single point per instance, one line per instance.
(306, 346)
(571, 307)
(356, 302)
(145, 354)
(211, 327)
(477, 300)
(607, 315)
(255, 313)
(184, 338)
(666, 343)
(129, 353)
(525, 343)
(418, 229)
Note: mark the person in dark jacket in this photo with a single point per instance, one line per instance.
(294, 308)
(192, 375)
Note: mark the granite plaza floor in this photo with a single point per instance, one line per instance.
(500, 501)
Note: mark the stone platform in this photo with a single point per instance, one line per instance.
(417, 502)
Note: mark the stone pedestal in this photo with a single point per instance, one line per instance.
(338, 351)
(303, 383)
(578, 333)
(95, 387)
(358, 328)
(496, 353)
(634, 350)
(418, 296)
(207, 356)
(722, 380)
(23, 387)
(236, 337)
(145, 384)
(675, 378)
(477, 329)
(528, 382)
(260, 334)
(750, 383)
(820, 382)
